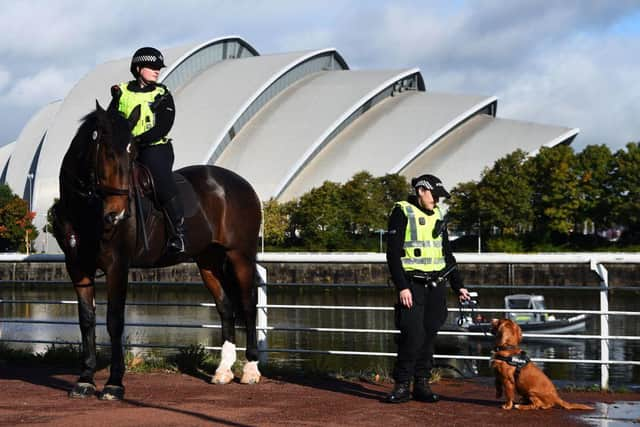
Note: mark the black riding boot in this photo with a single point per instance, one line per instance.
(174, 210)
(422, 391)
(400, 393)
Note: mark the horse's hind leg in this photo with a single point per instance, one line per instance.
(245, 272)
(212, 275)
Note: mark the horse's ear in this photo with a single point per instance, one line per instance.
(134, 117)
(100, 114)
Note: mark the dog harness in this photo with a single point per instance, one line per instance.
(519, 361)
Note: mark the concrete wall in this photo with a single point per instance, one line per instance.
(363, 273)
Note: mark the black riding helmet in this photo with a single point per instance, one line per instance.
(431, 183)
(146, 57)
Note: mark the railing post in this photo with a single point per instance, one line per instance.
(261, 320)
(602, 272)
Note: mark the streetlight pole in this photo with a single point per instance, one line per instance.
(381, 232)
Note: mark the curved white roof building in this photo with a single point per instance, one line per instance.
(287, 122)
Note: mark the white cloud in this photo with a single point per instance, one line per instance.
(39, 89)
(4, 78)
(560, 63)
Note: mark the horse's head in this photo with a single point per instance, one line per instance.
(113, 151)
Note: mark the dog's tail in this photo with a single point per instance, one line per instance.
(570, 406)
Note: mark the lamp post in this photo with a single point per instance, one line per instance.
(381, 232)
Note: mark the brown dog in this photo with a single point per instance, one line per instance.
(514, 372)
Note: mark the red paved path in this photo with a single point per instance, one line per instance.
(38, 396)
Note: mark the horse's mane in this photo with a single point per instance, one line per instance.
(116, 136)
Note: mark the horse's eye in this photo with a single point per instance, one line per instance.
(94, 135)
(129, 148)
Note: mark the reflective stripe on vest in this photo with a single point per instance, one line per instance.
(129, 100)
(422, 252)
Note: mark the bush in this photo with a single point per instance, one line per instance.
(505, 244)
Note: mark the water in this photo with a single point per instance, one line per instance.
(620, 376)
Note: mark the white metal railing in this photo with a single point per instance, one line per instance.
(595, 262)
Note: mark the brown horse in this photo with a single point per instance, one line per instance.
(98, 226)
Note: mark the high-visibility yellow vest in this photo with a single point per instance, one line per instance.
(422, 251)
(129, 100)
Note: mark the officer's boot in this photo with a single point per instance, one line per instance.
(422, 391)
(399, 394)
(173, 209)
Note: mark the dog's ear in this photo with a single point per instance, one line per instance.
(519, 332)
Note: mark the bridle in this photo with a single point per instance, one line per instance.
(100, 187)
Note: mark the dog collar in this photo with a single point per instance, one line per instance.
(505, 347)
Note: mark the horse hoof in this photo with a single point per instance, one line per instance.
(112, 392)
(250, 373)
(222, 377)
(82, 391)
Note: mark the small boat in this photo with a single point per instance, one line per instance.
(538, 322)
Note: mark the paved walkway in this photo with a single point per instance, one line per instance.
(38, 396)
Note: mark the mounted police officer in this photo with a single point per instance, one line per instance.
(418, 256)
(155, 150)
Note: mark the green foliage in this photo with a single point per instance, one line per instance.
(505, 244)
(335, 217)
(192, 359)
(505, 194)
(543, 202)
(15, 222)
(464, 206)
(275, 223)
(594, 167)
(626, 208)
(555, 189)
(522, 203)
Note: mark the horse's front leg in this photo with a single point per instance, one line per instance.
(85, 291)
(116, 295)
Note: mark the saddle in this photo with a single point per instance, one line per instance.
(143, 183)
(146, 197)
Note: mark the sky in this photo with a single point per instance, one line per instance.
(573, 63)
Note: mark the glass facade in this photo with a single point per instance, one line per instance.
(325, 61)
(204, 58)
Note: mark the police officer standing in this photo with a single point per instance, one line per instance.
(155, 151)
(418, 256)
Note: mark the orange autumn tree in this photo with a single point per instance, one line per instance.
(16, 222)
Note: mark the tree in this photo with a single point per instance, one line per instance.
(464, 210)
(505, 195)
(595, 167)
(553, 180)
(15, 222)
(626, 187)
(276, 223)
(319, 218)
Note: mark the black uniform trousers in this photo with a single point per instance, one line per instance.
(159, 159)
(419, 327)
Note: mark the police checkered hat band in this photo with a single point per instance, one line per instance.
(426, 184)
(147, 58)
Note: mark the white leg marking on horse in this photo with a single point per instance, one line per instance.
(223, 374)
(250, 373)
